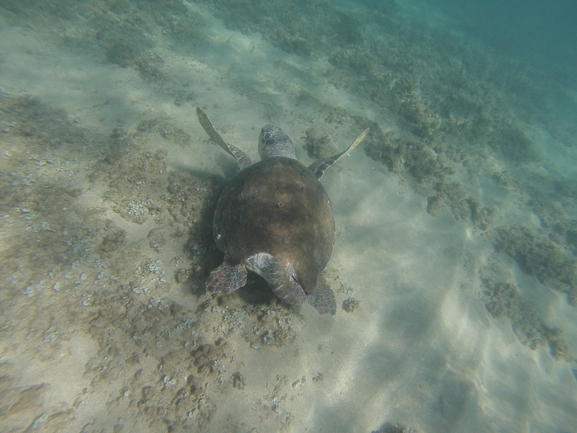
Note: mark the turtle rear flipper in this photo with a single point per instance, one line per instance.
(323, 298)
(226, 279)
(280, 277)
(242, 158)
(319, 167)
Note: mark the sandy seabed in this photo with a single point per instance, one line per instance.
(445, 322)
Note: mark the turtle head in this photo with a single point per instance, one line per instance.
(274, 142)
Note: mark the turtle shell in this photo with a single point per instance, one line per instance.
(277, 206)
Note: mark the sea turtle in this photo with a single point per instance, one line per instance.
(275, 219)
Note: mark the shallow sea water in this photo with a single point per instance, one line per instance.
(454, 266)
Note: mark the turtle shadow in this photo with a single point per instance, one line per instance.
(256, 291)
(228, 167)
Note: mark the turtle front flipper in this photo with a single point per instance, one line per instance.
(319, 167)
(226, 279)
(323, 298)
(242, 158)
(280, 277)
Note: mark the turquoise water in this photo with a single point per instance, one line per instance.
(454, 266)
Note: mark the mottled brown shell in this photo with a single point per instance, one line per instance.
(277, 206)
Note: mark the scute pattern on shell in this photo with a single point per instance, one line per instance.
(279, 207)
